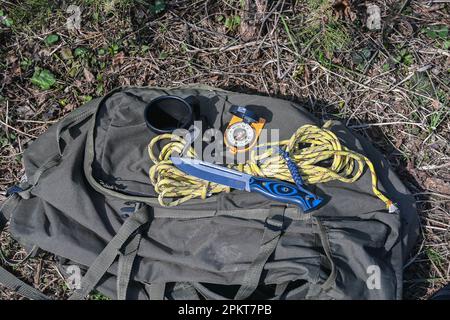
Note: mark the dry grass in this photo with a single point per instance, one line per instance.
(390, 85)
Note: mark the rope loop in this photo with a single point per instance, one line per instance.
(317, 152)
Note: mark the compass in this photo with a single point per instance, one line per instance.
(243, 130)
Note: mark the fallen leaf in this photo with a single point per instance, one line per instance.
(69, 107)
(438, 185)
(247, 31)
(436, 104)
(66, 53)
(88, 75)
(17, 71)
(343, 10)
(24, 111)
(398, 142)
(118, 58)
(11, 58)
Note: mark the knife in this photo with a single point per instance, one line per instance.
(270, 188)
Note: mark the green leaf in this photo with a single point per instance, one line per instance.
(160, 6)
(361, 56)
(25, 63)
(5, 20)
(98, 296)
(434, 256)
(405, 57)
(408, 59)
(114, 49)
(81, 52)
(446, 45)
(51, 39)
(8, 22)
(232, 22)
(437, 31)
(73, 71)
(43, 78)
(63, 102)
(443, 33)
(163, 55)
(86, 98)
(99, 90)
(3, 141)
(184, 47)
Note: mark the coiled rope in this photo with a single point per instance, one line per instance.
(318, 153)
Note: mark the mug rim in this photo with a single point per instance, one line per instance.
(187, 106)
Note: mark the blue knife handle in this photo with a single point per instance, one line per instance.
(284, 192)
(293, 169)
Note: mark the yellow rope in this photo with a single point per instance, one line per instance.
(309, 147)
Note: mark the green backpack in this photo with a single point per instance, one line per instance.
(86, 197)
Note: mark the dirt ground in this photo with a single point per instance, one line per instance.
(388, 80)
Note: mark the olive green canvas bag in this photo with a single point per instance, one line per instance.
(86, 197)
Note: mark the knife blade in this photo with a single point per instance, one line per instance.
(273, 189)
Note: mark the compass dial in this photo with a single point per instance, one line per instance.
(240, 134)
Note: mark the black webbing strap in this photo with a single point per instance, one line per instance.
(280, 288)
(102, 263)
(7, 279)
(13, 283)
(207, 293)
(272, 232)
(126, 261)
(155, 290)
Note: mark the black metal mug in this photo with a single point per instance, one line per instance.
(167, 113)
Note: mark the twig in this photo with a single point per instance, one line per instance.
(434, 167)
(362, 126)
(17, 130)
